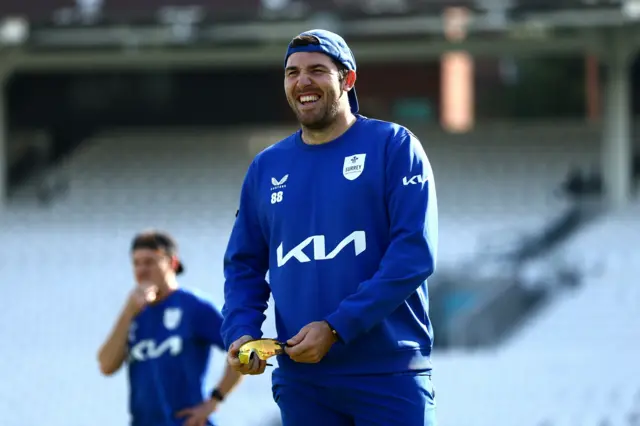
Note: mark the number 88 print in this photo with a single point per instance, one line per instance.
(276, 197)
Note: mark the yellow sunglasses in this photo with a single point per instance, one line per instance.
(262, 348)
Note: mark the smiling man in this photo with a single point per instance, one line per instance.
(343, 216)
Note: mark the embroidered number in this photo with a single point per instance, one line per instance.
(276, 197)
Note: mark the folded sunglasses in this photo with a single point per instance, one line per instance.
(262, 348)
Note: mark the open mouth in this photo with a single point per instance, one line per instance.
(308, 99)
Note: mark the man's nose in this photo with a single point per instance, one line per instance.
(304, 80)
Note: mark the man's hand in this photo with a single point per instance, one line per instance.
(197, 416)
(255, 365)
(311, 343)
(141, 296)
(113, 352)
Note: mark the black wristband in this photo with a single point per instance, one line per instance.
(333, 330)
(216, 394)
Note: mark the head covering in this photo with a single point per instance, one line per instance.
(157, 240)
(330, 44)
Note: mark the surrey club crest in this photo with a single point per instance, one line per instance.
(353, 166)
(172, 317)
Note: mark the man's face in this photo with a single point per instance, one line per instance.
(313, 88)
(151, 266)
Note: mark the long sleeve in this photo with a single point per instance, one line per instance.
(411, 255)
(246, 263)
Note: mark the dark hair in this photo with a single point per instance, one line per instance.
(157, 240)
(306, 40)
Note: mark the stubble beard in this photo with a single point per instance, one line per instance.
(325, 119)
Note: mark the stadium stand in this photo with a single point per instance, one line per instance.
(572, 363)
(608, 250)
(487, 184)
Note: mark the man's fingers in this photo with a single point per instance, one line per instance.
(151, 288)
(298, 343)
(237, 365)
(233, 356)
(150, 293)
(304, 352)
(255, 365)
(298, 350)
(252, 367)
(260, 367)
(306, 355)
(234, 349)
(233, 361)
(295, 340)
(307, 358)
(253, 362)
(184, 413)
(298, 337)
(243, 368)
(292, 351)
(193, 421)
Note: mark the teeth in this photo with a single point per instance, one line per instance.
(309, 98)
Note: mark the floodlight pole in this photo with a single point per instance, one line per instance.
(4, 149)
(616, 142)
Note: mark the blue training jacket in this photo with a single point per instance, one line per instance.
(348, 232)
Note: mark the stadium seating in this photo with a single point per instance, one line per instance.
(572, 364)
(66, 272)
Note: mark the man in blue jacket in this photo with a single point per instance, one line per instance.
(164, 335)
(343, 216)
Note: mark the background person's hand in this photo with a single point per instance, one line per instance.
(255, 365)
(141, 296)
(311, 343)
(198, 415)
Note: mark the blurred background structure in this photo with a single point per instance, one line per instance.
(118, 115)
